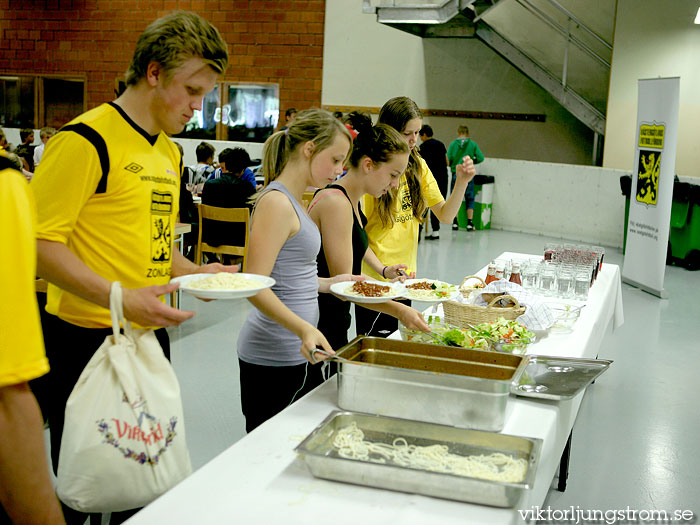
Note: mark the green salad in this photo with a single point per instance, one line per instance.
(444, 334)
(505, 336)
(500, 335)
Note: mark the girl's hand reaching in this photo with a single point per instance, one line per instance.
(413, 319)
(397, 273)
(466, 169)
(311, 339)
(324, 283)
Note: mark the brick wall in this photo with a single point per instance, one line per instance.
(269, 40)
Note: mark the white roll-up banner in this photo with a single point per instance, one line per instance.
(651, 195)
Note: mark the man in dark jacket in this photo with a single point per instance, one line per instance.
(435, 155)
(228, 191)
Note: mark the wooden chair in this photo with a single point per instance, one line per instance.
(232, 215)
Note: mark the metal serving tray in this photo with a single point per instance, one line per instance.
(557, 377)
(438, 384)
(324, 461)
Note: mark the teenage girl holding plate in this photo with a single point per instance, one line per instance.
(379, 156)
(284, 243)
(393, 219)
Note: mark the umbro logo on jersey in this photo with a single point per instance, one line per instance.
(133, 167)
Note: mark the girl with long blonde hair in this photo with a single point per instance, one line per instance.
(393, 219)
(284, 243)
(378, 158)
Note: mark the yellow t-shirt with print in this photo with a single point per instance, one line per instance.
(22, 354)
(109, 192)
(398, 244)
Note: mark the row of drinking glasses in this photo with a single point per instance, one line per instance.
(556, 279)
(576, 254)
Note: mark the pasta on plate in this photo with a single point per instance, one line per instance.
(224, 281)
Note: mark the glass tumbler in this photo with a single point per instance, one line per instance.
(600, 254)
(547, 278)
(565, 281)
(582, 282)
(528, 273)
(550, 249)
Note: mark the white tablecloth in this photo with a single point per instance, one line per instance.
(260, 480)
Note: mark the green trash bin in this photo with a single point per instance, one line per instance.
(684, 232)
(483, 204)
(483, 201)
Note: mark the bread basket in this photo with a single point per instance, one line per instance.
(463, 315)
(465, 290)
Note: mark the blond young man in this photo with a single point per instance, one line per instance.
(113, 218)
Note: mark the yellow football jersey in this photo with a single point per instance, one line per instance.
(398, 244)
(109, 191)
(21, 345)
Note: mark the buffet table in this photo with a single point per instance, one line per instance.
(261, 480)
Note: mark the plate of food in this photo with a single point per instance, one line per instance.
(223, 285)
(429, 290)
(368, 291)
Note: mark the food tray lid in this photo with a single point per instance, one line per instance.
(548, 377)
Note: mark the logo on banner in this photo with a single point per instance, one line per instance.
(649, 162)
(648, 177)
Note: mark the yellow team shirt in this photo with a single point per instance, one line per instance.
(109, 192)
(398, 244)
(22, 354)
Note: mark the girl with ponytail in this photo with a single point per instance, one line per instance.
(284, 243)
(378, 158)
(393, 219)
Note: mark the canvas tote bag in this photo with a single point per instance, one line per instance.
(123, 441)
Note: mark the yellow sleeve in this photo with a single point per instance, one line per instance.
(22, 354)
(429, 187)
(369, 205)
(70, 167)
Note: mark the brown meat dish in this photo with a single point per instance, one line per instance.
(370, 289)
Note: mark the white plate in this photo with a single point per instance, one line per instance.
(434, 299)
(397, 291)
(262, 280)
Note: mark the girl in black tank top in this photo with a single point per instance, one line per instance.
(378, 159)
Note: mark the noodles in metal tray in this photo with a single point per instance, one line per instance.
(350, 443)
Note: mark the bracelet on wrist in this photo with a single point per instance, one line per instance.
(384, 270)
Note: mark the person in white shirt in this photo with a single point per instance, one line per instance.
(44, 134)
(200, 172)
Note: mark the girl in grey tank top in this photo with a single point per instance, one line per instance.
(262, 341)
(275, 342)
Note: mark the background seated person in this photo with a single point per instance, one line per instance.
(248, 174)
(200, 172)
(230, 190)
(188, 211)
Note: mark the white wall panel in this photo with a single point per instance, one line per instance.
(581, 203)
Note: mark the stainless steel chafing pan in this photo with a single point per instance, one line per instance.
(452, 386)
(324, 462)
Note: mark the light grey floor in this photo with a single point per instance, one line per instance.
(636, 436)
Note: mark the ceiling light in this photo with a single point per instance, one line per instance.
(697, 17)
